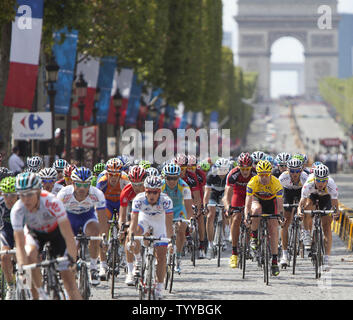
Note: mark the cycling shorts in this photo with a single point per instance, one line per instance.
(112, 205)
(268, 206)
(289, 195)
(81, 220)
(324, 201)
(6, 236)
(238, 199)
(159, 229)
(179, 213)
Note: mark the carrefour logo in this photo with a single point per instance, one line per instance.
(32, 122)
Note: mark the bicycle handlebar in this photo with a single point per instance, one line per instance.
(7, 251)
(320, 212)
(44, 263)
(151, 238)
(84, 237)
(294, 205)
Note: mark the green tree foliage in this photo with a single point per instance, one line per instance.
(7, 11)
(339, 94)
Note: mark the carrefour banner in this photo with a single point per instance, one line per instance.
(65, 55)
(105, 84)
(133, 106)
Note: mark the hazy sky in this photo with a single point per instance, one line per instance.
(282, 82)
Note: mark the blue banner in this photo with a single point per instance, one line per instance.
(214, 120)
(157, 104)
(183, 122)
(65, 56)
(133, 106)
(169, 116)
(105, 83)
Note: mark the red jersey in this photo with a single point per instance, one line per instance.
(236, 180)
(127, 195)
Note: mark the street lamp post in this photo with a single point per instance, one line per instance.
(81, 91)
(118, 101)
(52, 70)
(95, 110)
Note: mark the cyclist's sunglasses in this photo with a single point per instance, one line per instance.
(171, 178)
(82, 185)
(191, 167)
(245, 168)
(48, 180)
(183, 167)
(264, 174)
(295, 170)
(137, 184)
(152, 192)
(9, 195)
(25, 194)
(321, 180)
(111, 174)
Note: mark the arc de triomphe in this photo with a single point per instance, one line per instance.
(262, 22)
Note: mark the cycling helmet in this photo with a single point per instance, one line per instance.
(152, 171)
(7, 185)
(98, 168)
(4, 172)
(181, 159)
(245, 160)
(145, 164)
(171, 169)
(48, 173)
(264, 166)
(299, 156)
(114, 165)
(270, 158)
(294, 163)
(192, 160)
(282, 158)
(321, 171)
(27, 181)
(257, 156)
(34, 162)
(205, 166)
(81, 174)
(314, 165)
(153, 182)
(222, 163)
(68, 170)
(60, 164)
(137, 174)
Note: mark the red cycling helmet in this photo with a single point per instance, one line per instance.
(137, 174)
(244, 160)
(68, 170)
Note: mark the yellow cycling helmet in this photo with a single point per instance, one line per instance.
(264, 166)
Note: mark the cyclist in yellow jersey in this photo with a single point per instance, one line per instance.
(264, 195)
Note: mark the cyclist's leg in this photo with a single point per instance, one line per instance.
(256, 208)
(181, 228)
(7, 243)
(70, 284)
(210, 221)
(104, 227)
(325, 204)
(91, 228)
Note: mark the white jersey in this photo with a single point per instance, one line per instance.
(94, 200)
(45, 219)
(309, 188)
(287, 182)
(152, 215)
(57, 187)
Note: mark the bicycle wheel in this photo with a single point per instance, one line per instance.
(113, 266)
(219, 242)
(149, 274)
(172, 272)
(84, 282)
(266, 257)
(295, 247)
(168, 271)
(244, 246)
(314, 253)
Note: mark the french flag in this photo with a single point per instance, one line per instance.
(24, 54)
(89, 67)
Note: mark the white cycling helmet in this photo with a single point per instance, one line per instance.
(153, 182)
(48, 173)
(294, 163)
(321, 171)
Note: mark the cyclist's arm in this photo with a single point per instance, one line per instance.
(197, 199)
(334, 203)
(68, 235)
(280, 204)
(248, 202)
(207, 195)
(103, 218)
(169, 225)
(133, 223)
(122, 215)
(20, 247)
(188, 206)
(227, 198)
